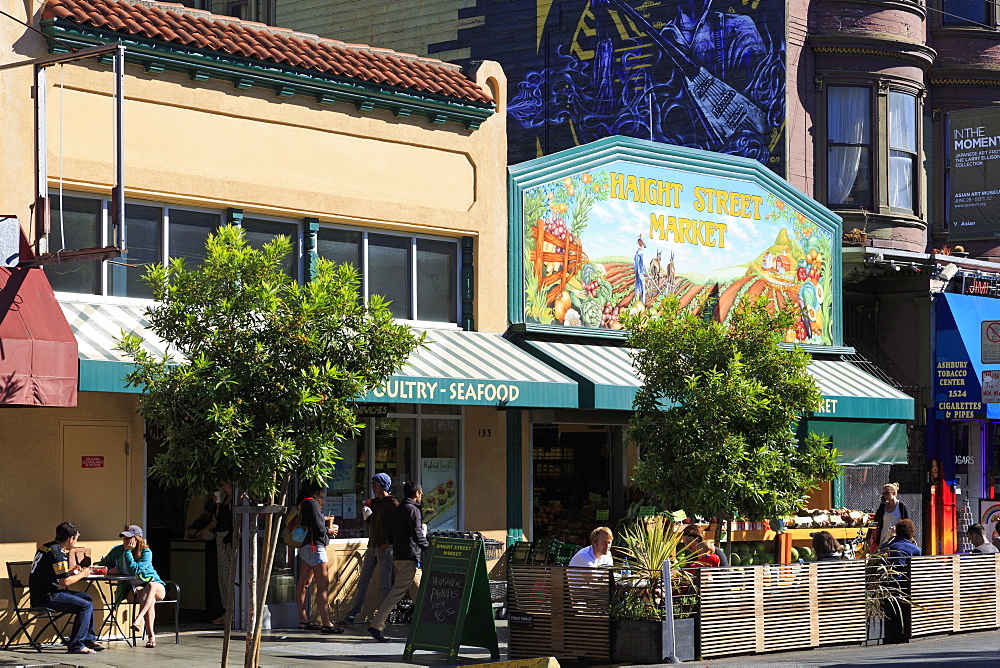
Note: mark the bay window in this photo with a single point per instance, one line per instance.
(872, 147)
(849, 146)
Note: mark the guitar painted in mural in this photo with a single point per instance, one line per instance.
(693, 73)
(628, 236)
(723, 110)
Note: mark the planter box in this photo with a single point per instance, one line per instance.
(635, 641)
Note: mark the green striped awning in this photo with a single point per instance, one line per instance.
(455, 367)
(476, 369)
(97, 328)
(863, 442)
(605, 374)
(851, 393)
(608, 380)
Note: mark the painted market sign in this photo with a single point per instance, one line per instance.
(601, 236)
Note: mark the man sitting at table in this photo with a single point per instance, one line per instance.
(598, 553)
(50, 577)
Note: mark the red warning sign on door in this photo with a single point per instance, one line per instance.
(93, 462)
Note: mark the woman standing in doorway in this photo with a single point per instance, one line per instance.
(889, 513)
(313, 568)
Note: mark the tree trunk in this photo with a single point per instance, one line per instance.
(270, 547)
(251, 596)
(231, 592)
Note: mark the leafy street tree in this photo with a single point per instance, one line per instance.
(267, 375)
(716, 416)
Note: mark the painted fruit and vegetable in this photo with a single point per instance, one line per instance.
(589, 256)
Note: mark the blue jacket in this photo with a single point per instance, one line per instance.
(125, 562)
(898, 549)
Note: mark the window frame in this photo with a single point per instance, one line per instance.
(414, 319)
(299, 245)
(879, 141)
(991, 14)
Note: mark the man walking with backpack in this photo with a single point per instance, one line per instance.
(378, 554)
(409, 544)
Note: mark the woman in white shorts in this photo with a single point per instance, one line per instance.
(313, 555)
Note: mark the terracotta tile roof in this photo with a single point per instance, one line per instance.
(178, 24)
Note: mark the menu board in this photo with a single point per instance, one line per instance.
(453, 607)
(444, 597)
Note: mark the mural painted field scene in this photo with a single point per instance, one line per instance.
(628, 235)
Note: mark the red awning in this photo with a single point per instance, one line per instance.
(38, 353)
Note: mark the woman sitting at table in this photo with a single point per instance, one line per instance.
(134, 558)
(702, 550)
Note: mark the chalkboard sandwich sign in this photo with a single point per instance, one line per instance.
(453, 606)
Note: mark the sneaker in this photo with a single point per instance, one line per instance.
(94, 645)
(375, 633)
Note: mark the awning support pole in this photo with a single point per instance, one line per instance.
(118, 198)
(515, 518)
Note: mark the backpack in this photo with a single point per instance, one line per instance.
(295, 535)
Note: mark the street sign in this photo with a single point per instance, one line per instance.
(990, 338)
(453, 605)
(991, 387)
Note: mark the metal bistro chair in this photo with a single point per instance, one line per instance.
(174, 598)
(19, 572)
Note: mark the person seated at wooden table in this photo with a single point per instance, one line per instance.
(47, 584)
(133, 557)
(598, 553)
(703, 551)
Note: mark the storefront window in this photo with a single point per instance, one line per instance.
(439, 473)
(407, 448)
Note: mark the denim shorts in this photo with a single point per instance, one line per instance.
(313, 554)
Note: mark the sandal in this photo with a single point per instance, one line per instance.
(151, 643)
(82, 650)
(332, 628)
(309, 626)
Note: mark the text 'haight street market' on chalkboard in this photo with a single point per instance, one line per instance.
(443, 598)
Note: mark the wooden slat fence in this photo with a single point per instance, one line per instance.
(755, 609)
(954, 593)
(569, 610)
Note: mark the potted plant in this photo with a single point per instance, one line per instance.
(638, 618)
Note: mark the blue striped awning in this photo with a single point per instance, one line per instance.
(850, 393)
(476, 369)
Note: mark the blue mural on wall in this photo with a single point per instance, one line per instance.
(699, 73)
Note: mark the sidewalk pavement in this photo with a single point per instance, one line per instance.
(355, 648)
(280, 647)
(962, 649)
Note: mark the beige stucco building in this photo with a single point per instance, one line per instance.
(393, 162)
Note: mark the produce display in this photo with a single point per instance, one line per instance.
(752, 552)
(811, 518)
(571, 525)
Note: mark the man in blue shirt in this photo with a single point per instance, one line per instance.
(899, 550)
(48, 582)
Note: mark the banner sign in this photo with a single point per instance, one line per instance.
(620, 235)
(973, 145)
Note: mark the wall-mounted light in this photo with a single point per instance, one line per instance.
(947, 272)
